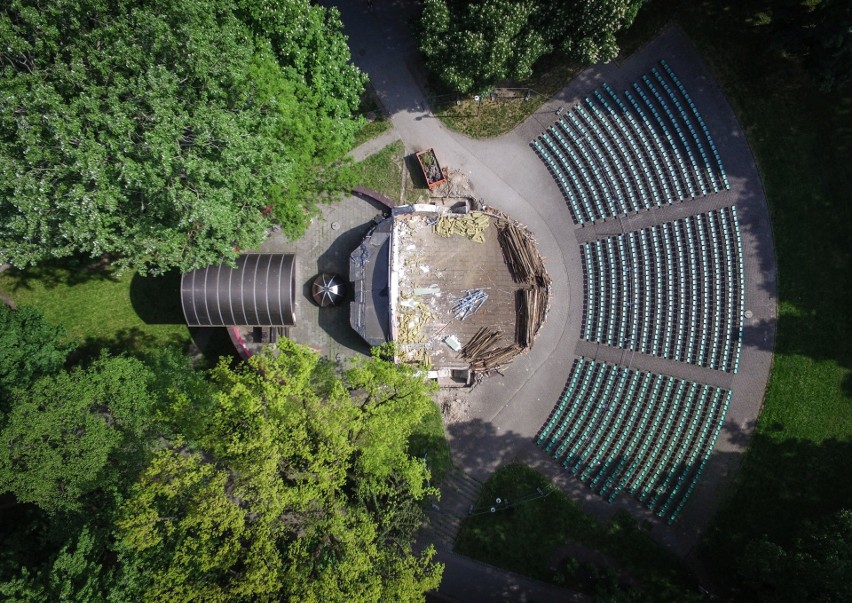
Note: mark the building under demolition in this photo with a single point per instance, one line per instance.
(459, 291)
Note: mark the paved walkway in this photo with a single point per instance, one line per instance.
(506, 413)
(374, 145)
(469, 581)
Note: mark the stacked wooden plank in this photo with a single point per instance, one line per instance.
(483, 339)
(520, 254)
(495, 359)
(532, 309)
(483, 352)
(527, 268)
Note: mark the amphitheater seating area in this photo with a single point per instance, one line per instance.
(611, 157)
(674, 290)
(618, 429)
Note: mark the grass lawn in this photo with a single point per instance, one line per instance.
(430, 440)
(100, 308)
(531, 537)
(488, 118)
(382, 172)
(371, 129)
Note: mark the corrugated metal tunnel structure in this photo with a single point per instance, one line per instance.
(260, 291)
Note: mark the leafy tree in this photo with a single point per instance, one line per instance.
(74, 574)
(471, 46)
(394, 402)
(76, 432)
(585, 30)
(817, 567)
(24, 588)
(820, 34)
(77, 573)
(295, 489)
(167, 133)
(306, 41)
(30, 347)
(485, 43)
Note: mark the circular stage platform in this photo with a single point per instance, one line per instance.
(458, 290)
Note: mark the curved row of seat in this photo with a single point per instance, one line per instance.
(675, 290)
(649, 434)
(611, 160)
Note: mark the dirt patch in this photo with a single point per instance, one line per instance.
(457, 185)
(454, 405)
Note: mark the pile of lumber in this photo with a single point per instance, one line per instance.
(481, 341)
(520, 254)
(495, 359)
(470, 225)
(483, 353)
(527, 268)
(532, 309)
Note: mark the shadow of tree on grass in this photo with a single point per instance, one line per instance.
(782, 485)
(67, 272)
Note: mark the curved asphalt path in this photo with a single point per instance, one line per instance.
(507, 412)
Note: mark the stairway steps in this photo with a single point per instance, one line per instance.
(459, 492)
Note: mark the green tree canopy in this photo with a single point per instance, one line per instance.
(470, 46)
(30, 348)
(486, 43)
(76, 443)
(279, 479)
(74, 574)
(819, 33)
(162, 132)
(293, 484)
(75, 432)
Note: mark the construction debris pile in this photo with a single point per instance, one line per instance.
(457, 185)
(469, 303)
(527, 268)
(414, 316)
(483, 353)
(470, 225)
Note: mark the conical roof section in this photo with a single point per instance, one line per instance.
(328, 289)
